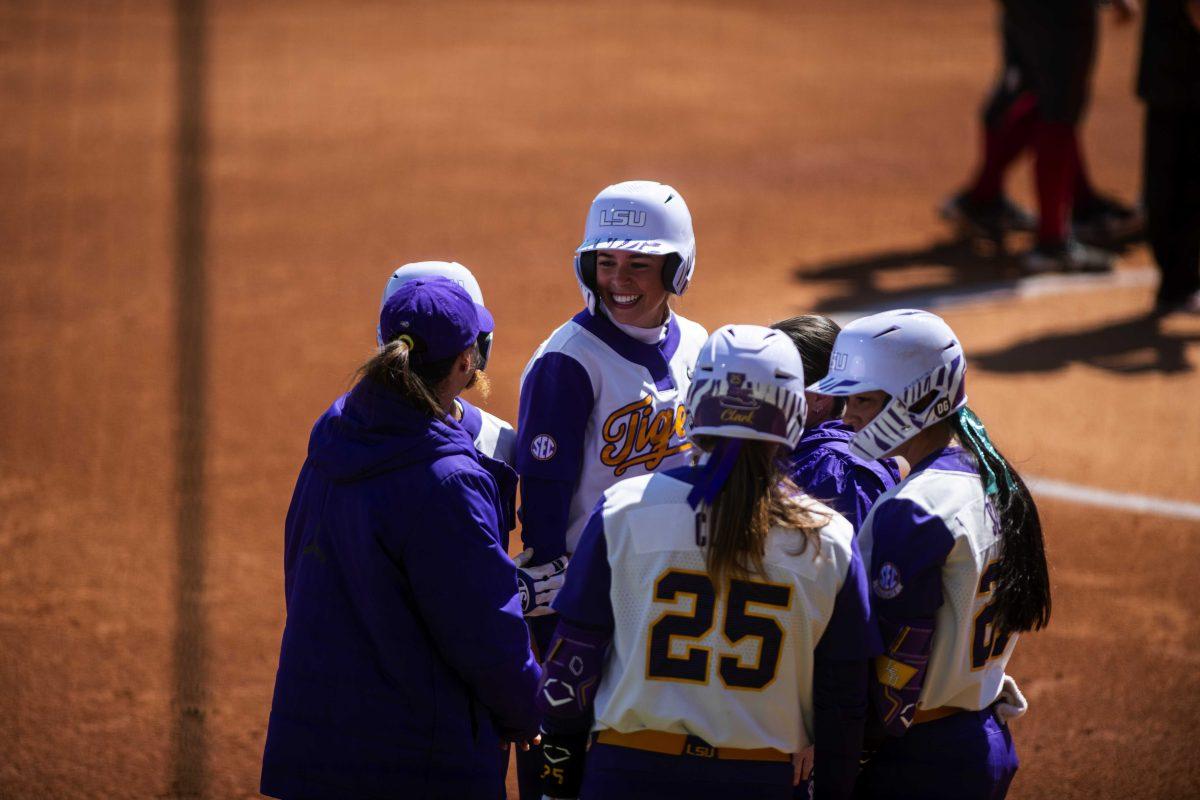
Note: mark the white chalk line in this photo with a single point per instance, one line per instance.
(1118, 501)
(1020, 289)
(1048, 286)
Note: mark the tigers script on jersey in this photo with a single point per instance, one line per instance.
(606, 407)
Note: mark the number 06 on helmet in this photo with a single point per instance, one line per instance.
(749, 384)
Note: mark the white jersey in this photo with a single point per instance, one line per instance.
(598, 406)
(493, 437)
(957, 530)
(731, 664)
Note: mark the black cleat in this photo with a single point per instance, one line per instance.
(1070, 256)
(988, 220)
(1107, 222)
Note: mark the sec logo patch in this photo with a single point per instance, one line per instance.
(543, 447)
(888, 584)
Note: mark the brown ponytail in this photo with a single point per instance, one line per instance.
(756, 497)
(392, 368)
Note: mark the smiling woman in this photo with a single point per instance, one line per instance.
(631, 287)
(602, 399)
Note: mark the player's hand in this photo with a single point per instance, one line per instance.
(539, 585)
(1193, 12)
(802, 764)
(523, 745)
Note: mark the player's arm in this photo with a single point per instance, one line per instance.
(465, 587)
(909, 548)
(840, 684)
(848, 487)
(556, 402)
(574, 662)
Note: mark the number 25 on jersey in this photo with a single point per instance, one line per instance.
(738, 624)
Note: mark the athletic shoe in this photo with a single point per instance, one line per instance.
(991, 220)
(1189, 304)
(1106, 221)
(1068, 256)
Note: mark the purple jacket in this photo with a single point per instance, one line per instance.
(405, 655)
(824, 468)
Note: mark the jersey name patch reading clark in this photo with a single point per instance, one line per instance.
(635, 434)
(543, 447)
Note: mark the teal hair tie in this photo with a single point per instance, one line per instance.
(979, 442)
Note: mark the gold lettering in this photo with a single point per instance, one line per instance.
(620, 431)
(730, 415)
(634, 434)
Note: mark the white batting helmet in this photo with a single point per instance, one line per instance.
(914, 357)
(451, 270)
(642, 217)
(748, 384)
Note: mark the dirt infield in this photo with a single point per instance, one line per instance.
(812, 142)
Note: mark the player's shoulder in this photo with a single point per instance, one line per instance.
(830, 533)
(942, 487)
(572, 340)
(653, 505)
(654, 488)
(691, 333)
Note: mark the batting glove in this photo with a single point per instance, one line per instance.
(1011, 703)
(538, 585)
(562, 764)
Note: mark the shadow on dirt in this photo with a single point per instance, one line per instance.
(959, 271)
(948, 267)
(1131, 346)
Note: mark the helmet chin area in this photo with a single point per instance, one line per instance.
(926, 402)
(890, 429)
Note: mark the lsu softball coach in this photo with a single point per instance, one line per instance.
(405, 660)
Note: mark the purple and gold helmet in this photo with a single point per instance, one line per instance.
(748, 384)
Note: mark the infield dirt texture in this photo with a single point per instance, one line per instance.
(270, 163)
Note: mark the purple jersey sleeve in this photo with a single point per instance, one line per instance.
(585, 598)
(556, 402)
(910, 547)
(575, 658)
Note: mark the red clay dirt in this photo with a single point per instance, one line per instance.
(348, 138)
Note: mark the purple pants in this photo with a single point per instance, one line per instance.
(968, 756)
(641, 775)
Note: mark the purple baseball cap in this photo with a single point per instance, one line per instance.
(438, 316)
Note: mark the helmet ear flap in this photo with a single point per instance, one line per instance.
(587, 269)
(670, 268)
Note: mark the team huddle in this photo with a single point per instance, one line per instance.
(770, 562)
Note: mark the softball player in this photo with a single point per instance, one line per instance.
(955, 559)
(714, 619)
(822, 464)
(602, 397)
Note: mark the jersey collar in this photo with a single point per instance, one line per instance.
(655, 358)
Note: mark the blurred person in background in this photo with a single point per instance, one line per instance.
(1169, 84)
(1038, 104)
